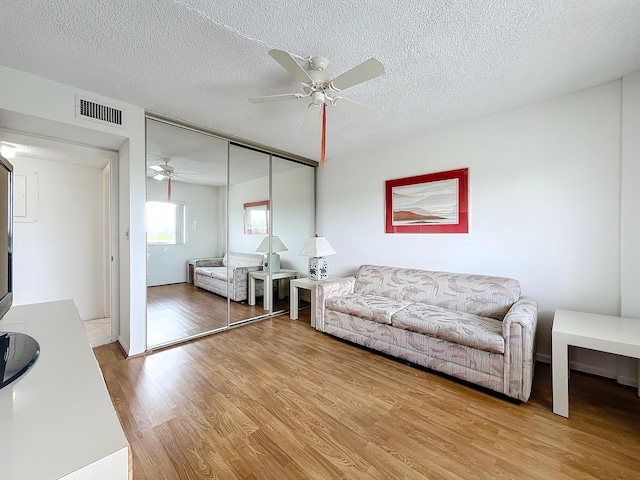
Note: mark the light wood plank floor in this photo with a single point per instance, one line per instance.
(279, 400)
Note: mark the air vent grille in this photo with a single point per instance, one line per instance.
(98, 112)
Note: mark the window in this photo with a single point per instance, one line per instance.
(165, 223)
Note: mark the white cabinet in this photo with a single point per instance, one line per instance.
(57, 421)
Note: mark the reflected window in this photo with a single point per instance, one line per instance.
(165, 223)
(256, 217)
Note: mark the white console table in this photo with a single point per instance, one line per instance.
(589, 330)
(57, 421)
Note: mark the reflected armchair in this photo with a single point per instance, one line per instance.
(227, 276)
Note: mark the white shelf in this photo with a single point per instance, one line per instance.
(57, 421)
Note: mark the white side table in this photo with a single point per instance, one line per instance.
(307, 284)
(262, 275)
(191, 265)
(598, 332)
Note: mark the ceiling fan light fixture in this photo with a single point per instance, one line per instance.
(317, 98)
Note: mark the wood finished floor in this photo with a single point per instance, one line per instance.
(181, 310)
(279, 400)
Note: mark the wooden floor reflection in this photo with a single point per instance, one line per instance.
(182, 310)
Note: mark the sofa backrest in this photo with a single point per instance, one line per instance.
(484, 295)
(238, 259)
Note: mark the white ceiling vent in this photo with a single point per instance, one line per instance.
(98, 112)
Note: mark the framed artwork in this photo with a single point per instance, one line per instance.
(256, 217)
(433, 203)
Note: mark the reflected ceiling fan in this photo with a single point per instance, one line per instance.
(166, 171)
(163, 171)
(318, 85)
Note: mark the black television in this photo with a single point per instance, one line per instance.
(18, 351)
(6, 235)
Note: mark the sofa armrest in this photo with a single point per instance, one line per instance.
(241, 274)
(519, 331)
(208, 262)
(331, 288)
(524, 312)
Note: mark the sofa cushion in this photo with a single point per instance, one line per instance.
(463, 328)
(238, 260)
(219, 273)
(484, 295)
(371, 307)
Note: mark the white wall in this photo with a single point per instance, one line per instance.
(204, 221)
(630, 199)
(61, 255)
(544, 205)
(631, 196)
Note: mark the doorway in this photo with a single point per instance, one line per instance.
(63, 225)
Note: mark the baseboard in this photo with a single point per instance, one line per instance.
(592, 370)
(628, 381)
(541, 357)
(123, 346)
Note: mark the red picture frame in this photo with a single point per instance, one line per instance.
(432, 203)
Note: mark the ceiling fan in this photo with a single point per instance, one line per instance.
(318, 85)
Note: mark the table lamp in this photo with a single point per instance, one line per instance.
(316, 248)
(270, 256)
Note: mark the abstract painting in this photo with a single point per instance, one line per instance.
(432, 203)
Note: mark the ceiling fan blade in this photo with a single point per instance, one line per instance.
(290, 65)
(372, 68)
(312, 117)
(159, 177)
(354, 107)
(276, 98)
(182, 176)
(157, 168)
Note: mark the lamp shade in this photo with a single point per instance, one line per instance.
(276, 245)
(317, 247)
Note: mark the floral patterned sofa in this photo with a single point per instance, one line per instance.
(474, 327)
(228, 274)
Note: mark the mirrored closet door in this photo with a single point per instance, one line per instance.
(186, 220)
(225, 224)
(249, 217)
(292, 198)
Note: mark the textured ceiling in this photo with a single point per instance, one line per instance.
(446, 62)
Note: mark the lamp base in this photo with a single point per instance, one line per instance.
(275, 262)
(318, 268)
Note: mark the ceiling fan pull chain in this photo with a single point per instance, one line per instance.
(169, 190)
(323, 148)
